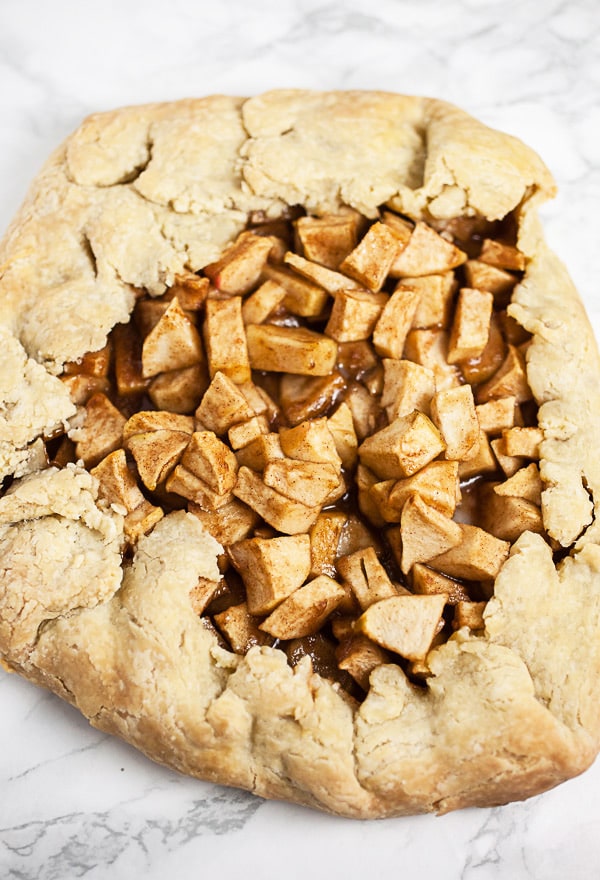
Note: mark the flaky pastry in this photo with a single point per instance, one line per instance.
(166, 530)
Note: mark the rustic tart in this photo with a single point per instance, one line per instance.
(298, 446)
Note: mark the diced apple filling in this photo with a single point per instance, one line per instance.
(343, 403)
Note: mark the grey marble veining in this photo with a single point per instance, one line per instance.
(76, 803)
(130, 835)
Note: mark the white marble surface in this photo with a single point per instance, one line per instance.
(75, 803)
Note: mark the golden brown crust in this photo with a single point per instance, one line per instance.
(131, 199)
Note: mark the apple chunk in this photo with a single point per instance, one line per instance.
(306, 610)
(174, 343)
(402, 448)
(271, 568)
(403, 624)
(290, 350)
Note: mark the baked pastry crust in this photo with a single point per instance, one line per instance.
(131, 199)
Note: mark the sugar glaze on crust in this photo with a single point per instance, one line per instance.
(133, 198)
